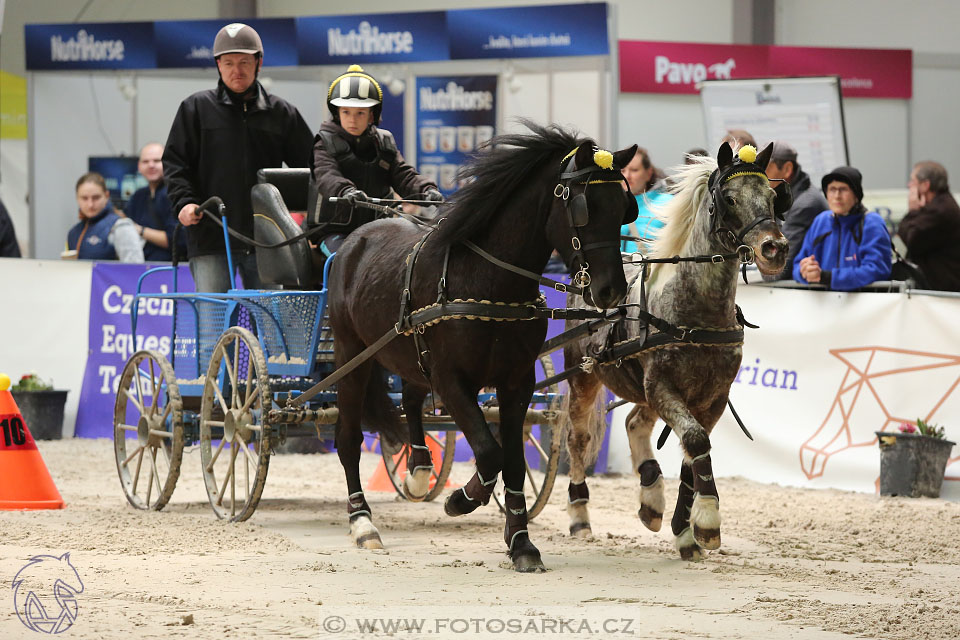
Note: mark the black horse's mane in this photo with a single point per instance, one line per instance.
(497, 172)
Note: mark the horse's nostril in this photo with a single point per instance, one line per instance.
(770, 248)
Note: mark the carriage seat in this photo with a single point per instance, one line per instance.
(280, 192)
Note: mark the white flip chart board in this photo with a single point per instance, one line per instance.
(806, 112)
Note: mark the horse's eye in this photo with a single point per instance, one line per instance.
(730, 200)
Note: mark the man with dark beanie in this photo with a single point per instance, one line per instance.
(220, 138)
(931, 229)
(846, 247)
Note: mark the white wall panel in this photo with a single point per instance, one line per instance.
(935, 119)
(75, 115)
(158, 100)
(577, 102)
(877, 141)
(666, 125)
(881, 24)
(525, 100)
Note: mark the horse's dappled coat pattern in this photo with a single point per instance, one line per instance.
(684, 384)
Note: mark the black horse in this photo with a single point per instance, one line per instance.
(527, 194)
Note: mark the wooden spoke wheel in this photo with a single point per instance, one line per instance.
(148, 430)
(396, 464)
(541, 447)
(234, 432)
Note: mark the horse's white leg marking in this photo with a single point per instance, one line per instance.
(705, 520)
(640, 424)
(416, 484)
(364, 533)
(584, 418)
(686, 546)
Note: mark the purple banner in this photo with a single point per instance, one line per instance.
(111, 342)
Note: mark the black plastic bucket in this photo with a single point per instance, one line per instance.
(912, 465)
(43, 412)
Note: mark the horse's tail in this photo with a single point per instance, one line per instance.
(379, 413)
(595, 426)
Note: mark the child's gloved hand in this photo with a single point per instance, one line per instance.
(432, 195)
(353, 195)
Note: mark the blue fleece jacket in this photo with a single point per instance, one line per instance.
(853, 250)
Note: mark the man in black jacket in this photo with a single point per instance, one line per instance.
(220, 138)
(931, 229)
(807, 203)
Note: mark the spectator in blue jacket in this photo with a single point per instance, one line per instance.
(846, 247)
(101, 234)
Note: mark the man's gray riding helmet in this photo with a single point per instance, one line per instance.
(237, 38)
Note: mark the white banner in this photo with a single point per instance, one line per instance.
(823, 372)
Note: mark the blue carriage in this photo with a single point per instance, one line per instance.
(239, 359)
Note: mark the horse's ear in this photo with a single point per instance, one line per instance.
(623, 157)
(764, 157)
(584, 157)
(724, 155)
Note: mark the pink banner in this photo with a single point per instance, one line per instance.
(677, 67)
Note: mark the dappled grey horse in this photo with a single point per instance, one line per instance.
(721, 208)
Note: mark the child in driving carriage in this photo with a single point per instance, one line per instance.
(354, 160)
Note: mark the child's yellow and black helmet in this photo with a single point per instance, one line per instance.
(355, 89)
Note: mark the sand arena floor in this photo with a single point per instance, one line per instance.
(794, 563)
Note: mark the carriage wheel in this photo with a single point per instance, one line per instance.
(547, 452)
(148, 406)
(234, 435)
(447, 440)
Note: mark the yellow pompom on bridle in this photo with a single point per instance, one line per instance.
(603, 159)
(747, 153)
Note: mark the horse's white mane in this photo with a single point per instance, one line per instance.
(679, 214)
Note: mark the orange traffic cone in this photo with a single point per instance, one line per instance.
(380, 480)
(25, 482)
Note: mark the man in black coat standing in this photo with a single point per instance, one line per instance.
(931, 229)
(807, 203)
(220, 138)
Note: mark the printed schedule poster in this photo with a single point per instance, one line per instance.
(455, 115)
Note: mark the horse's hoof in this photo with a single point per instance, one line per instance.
(365, 535)
(707, 538)
(529, 564)
(416, 486)
(691, 554)
(370, 541)
(705, 519)
(457, 504)
(687, 547)
(581, 530)
(650, 518)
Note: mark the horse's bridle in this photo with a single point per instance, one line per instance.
(578, 212)
(719, 209)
